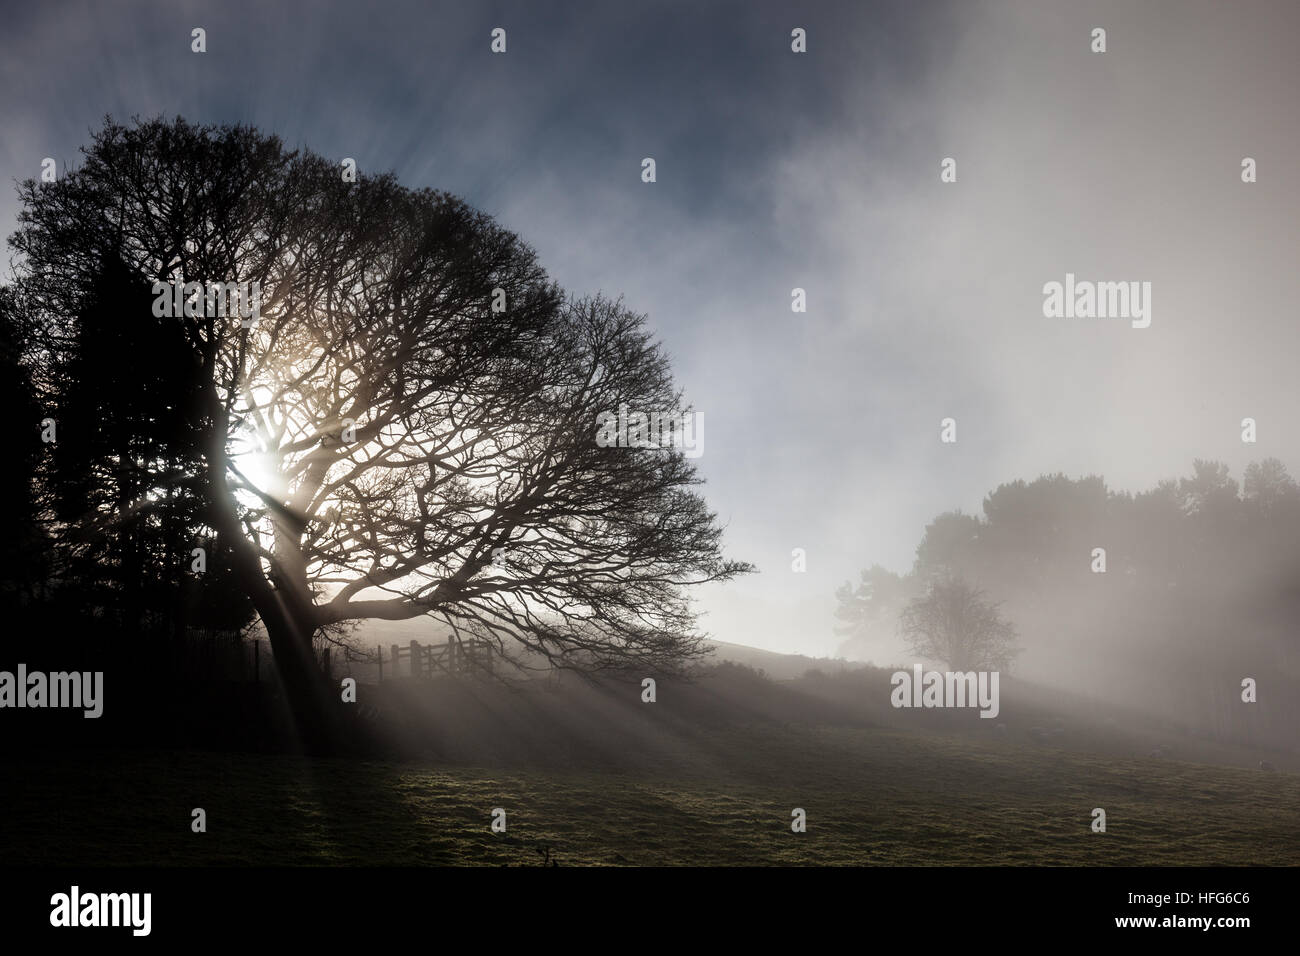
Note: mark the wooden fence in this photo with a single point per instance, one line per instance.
(454, 658)
(208, 655)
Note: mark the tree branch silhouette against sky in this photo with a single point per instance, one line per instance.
(405, 425)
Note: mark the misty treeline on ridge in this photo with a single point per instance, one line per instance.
(1160, 601)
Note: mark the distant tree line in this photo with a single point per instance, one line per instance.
(1169, 593)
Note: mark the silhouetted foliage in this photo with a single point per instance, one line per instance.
(382, 442)
(24, 556)
(126, 473)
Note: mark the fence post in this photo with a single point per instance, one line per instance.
(415, 657)
(379, 651)
(451, 654)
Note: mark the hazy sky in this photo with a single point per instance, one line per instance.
(821, 171)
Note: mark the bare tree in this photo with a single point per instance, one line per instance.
(407, 426)
(955, 623)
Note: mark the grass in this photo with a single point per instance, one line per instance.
(872, 797)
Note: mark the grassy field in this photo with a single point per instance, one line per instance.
(873, 797)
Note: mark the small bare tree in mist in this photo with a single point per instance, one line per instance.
(956, 623)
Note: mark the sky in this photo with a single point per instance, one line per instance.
(778, 170)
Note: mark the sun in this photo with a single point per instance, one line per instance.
(261, 469)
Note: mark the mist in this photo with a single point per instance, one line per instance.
(980, 316)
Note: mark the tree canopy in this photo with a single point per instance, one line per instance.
(400, 422)
(956, 623)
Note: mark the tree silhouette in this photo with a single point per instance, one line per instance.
(406, 426)
(950, 546)
(23, 544)
(1188, 575)
(956, 623)
(125, 474)
(1269, 488)
(868, 612)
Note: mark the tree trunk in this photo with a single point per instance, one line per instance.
(317, 711)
